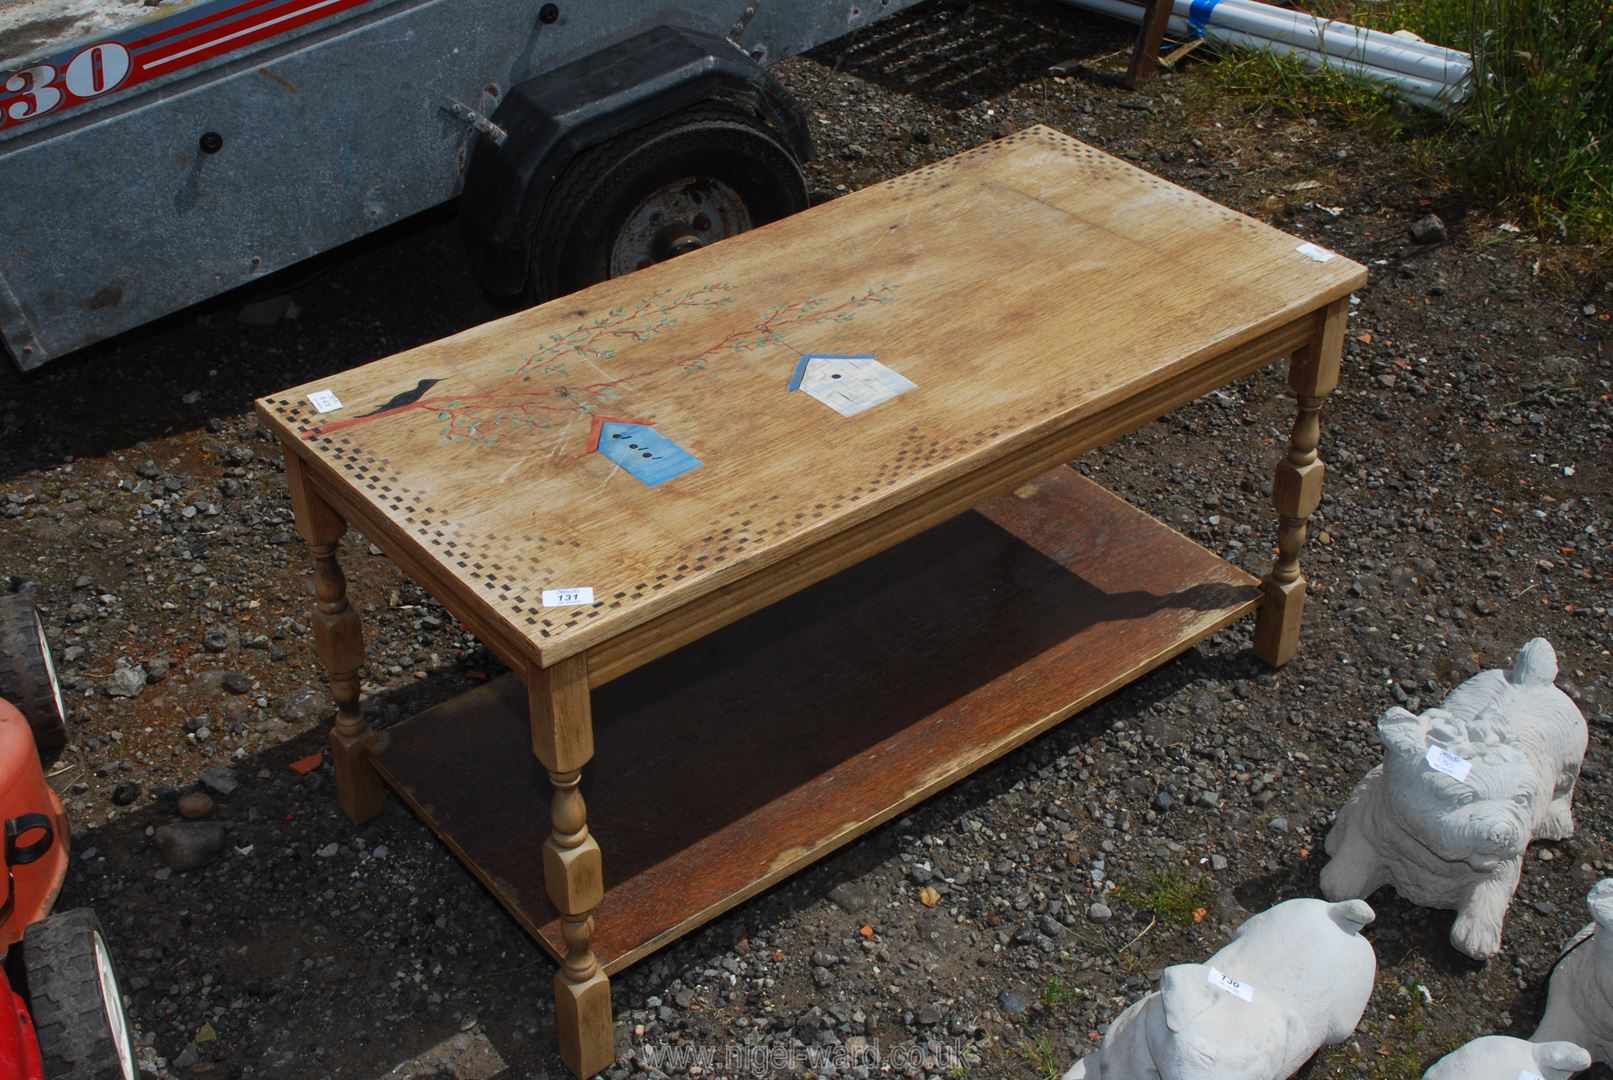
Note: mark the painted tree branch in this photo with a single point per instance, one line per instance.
(539, 387)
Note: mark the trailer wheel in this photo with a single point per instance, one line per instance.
(681, 183)
(27, 674)
(74, 996)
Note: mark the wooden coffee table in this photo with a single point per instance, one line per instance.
(781, 435)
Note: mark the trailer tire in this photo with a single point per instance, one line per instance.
(27, 675)
(685, 181)
(75, 1000)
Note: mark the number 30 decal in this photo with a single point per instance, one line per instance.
(95, 71)
(38, 96)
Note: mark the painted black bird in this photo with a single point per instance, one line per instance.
(408, 397)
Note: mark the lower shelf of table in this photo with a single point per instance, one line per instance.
(730, 764)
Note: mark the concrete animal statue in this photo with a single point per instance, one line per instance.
(1294, 977)
(1461, 792)
(1501, 1057)
(1542, 719)
(1579, 994)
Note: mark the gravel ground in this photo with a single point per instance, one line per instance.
(996, 928)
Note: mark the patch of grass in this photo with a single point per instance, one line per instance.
(1282, 84)
(1040, 1055)
(1536, 133)
(1057, 993)
(1172, 897)
(1400, 1051)
(1533, 138)
(1414, 1021)
(1397, 1063)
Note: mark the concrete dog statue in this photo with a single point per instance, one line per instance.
(1542, 720)
(1294, 977)
(1462, 791)
(1579, 995)
(1501, 1057)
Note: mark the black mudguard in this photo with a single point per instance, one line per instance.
(550, 119)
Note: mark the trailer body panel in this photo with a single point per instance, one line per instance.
(175, 157)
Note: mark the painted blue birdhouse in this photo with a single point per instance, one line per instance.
(644, 453)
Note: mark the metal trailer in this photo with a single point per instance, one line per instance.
(157, 153)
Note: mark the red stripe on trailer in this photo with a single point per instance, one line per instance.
(213, 34)
(194, 24)
(232, 36)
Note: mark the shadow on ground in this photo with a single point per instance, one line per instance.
(954, 53)
(321, 948)
(404, 286)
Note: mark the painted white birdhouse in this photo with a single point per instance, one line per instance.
(848, 384)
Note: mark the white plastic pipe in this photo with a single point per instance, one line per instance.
(1342, 40)
(1325, 27)
(1429, 92)
(1427, 75)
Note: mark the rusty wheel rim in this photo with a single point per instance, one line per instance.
(676, 218)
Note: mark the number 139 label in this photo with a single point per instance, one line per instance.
(1452, 765)
(1230, 985)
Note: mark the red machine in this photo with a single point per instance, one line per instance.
(61, 1012)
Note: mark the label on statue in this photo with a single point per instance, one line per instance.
(1442, 760)
(324, 401)
(1230, 985)
(1527, 1075)
(567, 597)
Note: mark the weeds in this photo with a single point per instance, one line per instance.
(1397, 1063)
(1401, 1050)
(1536, 132)
(1057, 993)
(1282, 84)
(1040, 1055)
(1172, 897)
(1533, 138)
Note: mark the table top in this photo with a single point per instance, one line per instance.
(657, 436)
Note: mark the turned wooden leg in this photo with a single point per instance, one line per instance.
(1313, 372)
(563, 739)
(339, 640)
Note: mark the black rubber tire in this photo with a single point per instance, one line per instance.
(598, 191)
(71, 1003)
(27, 676)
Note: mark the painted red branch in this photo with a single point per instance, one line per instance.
(593, 334)
(583, 340)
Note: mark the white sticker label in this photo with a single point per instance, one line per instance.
(1230, 985)
(1527, 1075)
(1442, 760)
(567, 597)
(325, 400)
(1314, 252)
